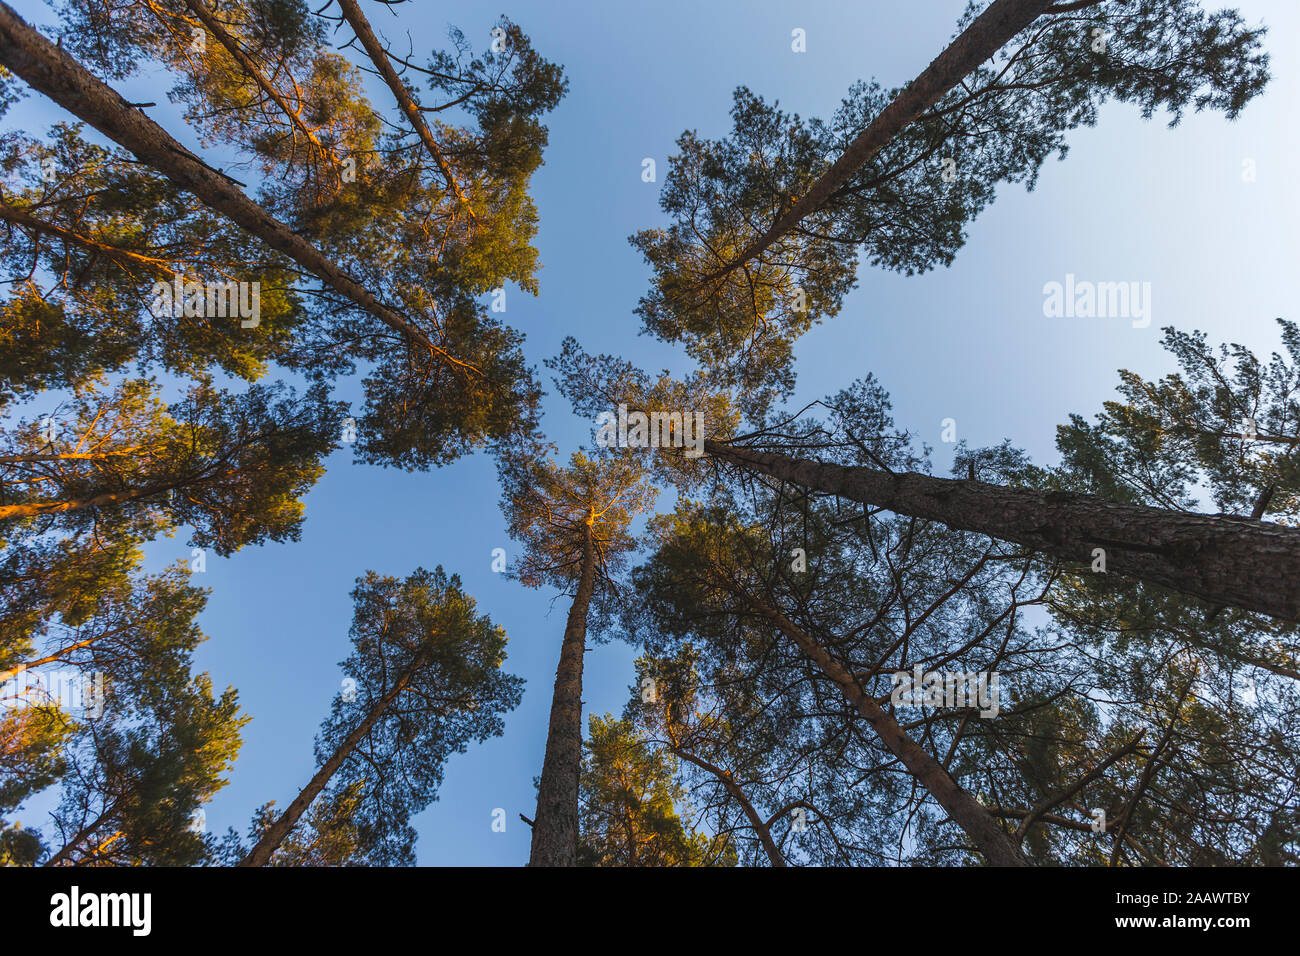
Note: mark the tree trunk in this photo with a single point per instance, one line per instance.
(379, 56)
(77, 504)
(555, 830)
(57, 655)
(1222, 559)
(59, 858)
(998, 847)
(51, 71)
(260, 855)
(35, 459)
(982, 39)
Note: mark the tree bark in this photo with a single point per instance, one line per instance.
(70, 456)
(555, 832)
(77, 504)
(51, 71)
(1222, 559)
(982, 39)
(58, 655)
(58, 858)
(260, 855)
(998, 847)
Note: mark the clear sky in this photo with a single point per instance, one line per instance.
(1134, 201)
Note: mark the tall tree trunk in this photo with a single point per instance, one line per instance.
(379, 56)
(555, 830)
(51, 71)
(260, 855)
(998, 846)
(982, 39)
(1219, 558)
(277, 831)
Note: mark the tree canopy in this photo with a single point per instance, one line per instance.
(848, 650)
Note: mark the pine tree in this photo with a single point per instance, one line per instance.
(573, 525)
(103, 705)
(136, 781)
(234, 467)
(628, 814)
(1125, 494)
(726, 582)
(1218, 559)
(726, 739)
(330, 833)
(427, 673)
(349, 210)
(766, 225)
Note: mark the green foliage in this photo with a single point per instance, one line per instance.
(549, 510)
(1226, 422)
(329, 835)
(32, 738)
(19, 845)
(1173, 443)
(94, 313)
(364, 192)
(1129, 703)
(899, 210)
(753, 598)
(232, 466)
(135, 783)
(628, 814)
(423, 638)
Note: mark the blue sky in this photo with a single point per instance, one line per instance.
(1134, 201)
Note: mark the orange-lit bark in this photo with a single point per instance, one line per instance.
(56, 656)
(77, 504)
(53, 72)
(20, 217)
(61, 857)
